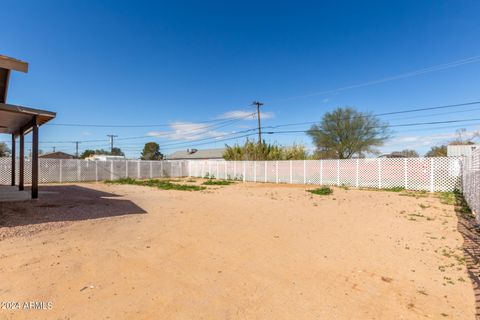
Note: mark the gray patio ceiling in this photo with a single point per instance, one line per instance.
(13, 118)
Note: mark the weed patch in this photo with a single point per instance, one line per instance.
(324, 191)
(161, 184)
(212, 182)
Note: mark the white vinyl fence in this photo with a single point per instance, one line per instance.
(56, 170)
(430, 174)
(471, 182)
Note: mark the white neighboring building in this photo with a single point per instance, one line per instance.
(104, 157)
(462, 150)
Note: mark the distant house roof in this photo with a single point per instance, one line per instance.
(197, 154)
(56, 155)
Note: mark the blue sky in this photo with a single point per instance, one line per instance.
(181, 63)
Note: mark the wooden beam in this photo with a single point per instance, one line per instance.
(35, 159)
(21, 179)
(13, 64)
(13, 160)
(4, 79)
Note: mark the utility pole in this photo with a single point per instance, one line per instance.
(258, 104)
(76, 148)
(111, 141)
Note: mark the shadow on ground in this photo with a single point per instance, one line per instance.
(470, 231)
(62, 204)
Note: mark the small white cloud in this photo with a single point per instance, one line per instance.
(187, 131)
(420, 141)
(326, 100)
(239, 114)
(86, 133)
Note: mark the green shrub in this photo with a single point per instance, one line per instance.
(323, 191)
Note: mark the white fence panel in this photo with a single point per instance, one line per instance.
(471, 182)
(73, 170)
(430, 174)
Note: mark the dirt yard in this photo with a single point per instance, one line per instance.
(244, 251)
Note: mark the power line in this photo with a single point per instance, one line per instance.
(439, 67)
(305, 131)
(288, 124)
(223, 124)
(139, 125)
(385, 113)
(384, 126)
(272, 127)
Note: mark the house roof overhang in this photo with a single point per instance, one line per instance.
(13, 64)
(15, 118)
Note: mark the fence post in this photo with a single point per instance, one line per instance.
(405, 169)
(266, 171)
(432, 173)
(234, 170)
(151, 170)
(161, 169)
(304, 172)
(79, 173)
(225, 173)
(379, 173)
(218, 172)
(61, 171)
(254, 171)
(356, 175)
(291, 173)
(138, 169)
(111, 170)
(244, 171)
(321, 172)
(276, 171)
(96, 170)
(338, 172)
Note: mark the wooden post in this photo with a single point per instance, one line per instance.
(35, 159)
(13, 160)
(21, 178)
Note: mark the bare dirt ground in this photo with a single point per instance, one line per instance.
(244, 251)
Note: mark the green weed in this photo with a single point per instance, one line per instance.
(324, 191)
(161, 184)
(212, 182)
